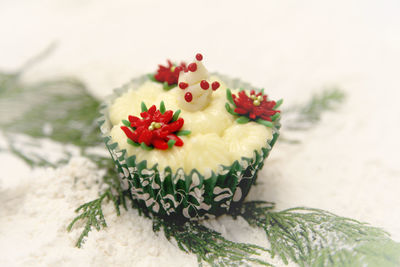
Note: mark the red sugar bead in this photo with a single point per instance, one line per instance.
(204, 84)
(215, 85)
(183, 85)
(188, 97)
(192, 67)
(199, 57)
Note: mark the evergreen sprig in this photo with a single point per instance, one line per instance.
(326, 100)
(92, 213)
(314, 237)
(208, 245)
(302, 117)
(64, 106)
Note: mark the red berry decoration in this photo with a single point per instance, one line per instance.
(188, 97)
(215, 85)
(199, 57)
(192, 67)
(204, 84)
(169, 73)
(183, 85)
(154, 128)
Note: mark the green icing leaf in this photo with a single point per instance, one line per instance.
(265, 123)
(229, 109)
(151, 77)
(145, 147)
(168, 87)
(143, 107)
(242, 120)
(126, 123)
(171, 143)
(229, 96)
(278, 103)
(274, 117)
(183, 132)
(176, 115)
(132, 142)
(162, 107)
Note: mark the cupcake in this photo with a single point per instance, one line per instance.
(188, 143)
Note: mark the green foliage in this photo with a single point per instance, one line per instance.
(278, 103)
(59, 109)
(208, 245)
(242, 120)
(176, 115)
(151, 77)
(229, 109)
(314, 237)
(274, 117)
(171, 143)
(31, 160)
(92, 213)
(162, 107)
(145, 147)
(143, 107)
(30, 150)
(229, 96)
(326, 100)
(133, 143)
(305, 116)
(183, 132)
(168, 87)
(126, 123)
(265, 122)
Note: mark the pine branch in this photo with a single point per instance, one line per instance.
(326, 100)
(92, 213)
(304, 117)
(111, 178)
(313, 237)
(60, 109)
(33, 159)
(208, 245)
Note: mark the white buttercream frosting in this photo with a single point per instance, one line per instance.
(215, 137)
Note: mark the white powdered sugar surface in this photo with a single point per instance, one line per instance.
(347, 164)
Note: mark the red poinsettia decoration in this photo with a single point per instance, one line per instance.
(156, 128)
(169, 74)
(254, 106)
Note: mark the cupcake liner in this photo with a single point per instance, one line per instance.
(189, 195)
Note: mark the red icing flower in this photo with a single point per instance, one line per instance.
(170, 73)
(154, 128)
(254, 106)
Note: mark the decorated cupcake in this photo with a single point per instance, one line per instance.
(187, 143)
